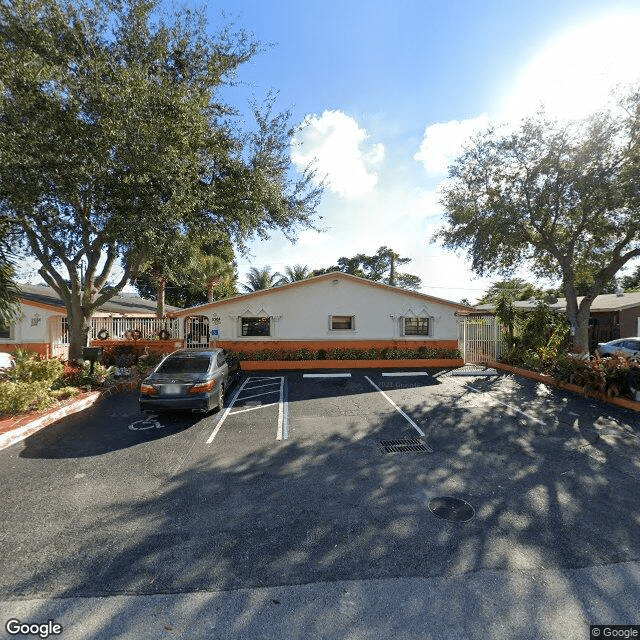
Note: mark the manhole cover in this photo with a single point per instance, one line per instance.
(403, 446)
(452, 509)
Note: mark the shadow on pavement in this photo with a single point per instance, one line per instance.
(335, 509)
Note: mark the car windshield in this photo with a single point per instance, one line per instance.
(185, 364)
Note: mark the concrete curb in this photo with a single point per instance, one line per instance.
(23, 431)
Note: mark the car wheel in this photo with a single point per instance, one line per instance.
(220, 397)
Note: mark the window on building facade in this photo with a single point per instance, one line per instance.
(416, 326)
(256, 327)
(342, 323)
(5, 331)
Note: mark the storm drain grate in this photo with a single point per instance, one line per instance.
(403, 446)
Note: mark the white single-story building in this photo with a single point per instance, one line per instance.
(42, 324)
(323, 312)
(330, 310)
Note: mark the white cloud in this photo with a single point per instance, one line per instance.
(444, 141)
(338, 146)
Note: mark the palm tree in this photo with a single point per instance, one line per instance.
(294, 274)
(9, 292)
(260, 279)
(213, 270)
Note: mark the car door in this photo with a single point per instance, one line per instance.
(222, 368)
(632, 347)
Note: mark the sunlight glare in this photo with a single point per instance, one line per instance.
(575, 73)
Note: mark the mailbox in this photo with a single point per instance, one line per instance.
(92, 354)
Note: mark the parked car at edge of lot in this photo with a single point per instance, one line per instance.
(624, 346)
(189, 379)
(7, 363)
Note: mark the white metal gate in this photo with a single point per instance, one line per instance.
(480, 338)
(196, 332)
(59, 337)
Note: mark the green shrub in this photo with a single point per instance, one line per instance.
(23, 396)
(122, 355)
(149, 361)
(30, 367)
(41, 370)
(342, 353)
(64, 392)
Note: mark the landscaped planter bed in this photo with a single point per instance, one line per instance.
(272, 365)
(625, 403)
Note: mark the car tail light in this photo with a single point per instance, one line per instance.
(202, 388)
(148, 390)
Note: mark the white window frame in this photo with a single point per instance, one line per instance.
(342, 315)
(429, 320)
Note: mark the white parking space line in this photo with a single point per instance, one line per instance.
(283, 409)
(258, 395)
(283, 413)
(326, 375)
(398, 409)
(406, 373)
(259, 386)
(260, 406)
(226, 412)
(509, 406)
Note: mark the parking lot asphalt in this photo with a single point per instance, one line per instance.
(283, 515)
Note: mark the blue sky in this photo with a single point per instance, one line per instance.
(389, 90)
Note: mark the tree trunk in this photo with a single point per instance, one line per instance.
(578, 316)
(78, 326)
(162, 285)
(211, 284)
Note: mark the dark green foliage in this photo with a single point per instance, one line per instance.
(342, 353)
(115, 144)
(561, 198)
(380, 267)
(125, 355)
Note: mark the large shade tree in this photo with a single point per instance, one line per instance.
(114, 139)
(560, 198)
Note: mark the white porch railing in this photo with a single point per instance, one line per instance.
(119, 328)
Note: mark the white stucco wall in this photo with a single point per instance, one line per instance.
(32, 326)
(302, 313)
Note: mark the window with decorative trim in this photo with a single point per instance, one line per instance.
(417, 326)
(256, 326)
(342, 323)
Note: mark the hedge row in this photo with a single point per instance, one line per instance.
(349, 354)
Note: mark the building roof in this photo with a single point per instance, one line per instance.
(604, 302)
(326, 276)
(129, 305)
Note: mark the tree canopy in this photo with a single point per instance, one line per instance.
(380, 267)
(561, 197)
(512, 288)
(114, 139)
